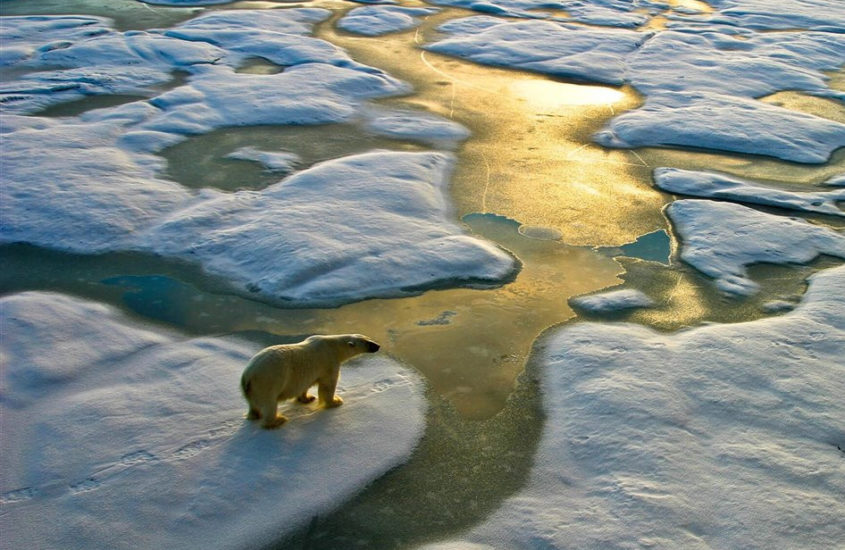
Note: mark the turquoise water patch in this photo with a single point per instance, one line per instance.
(651, 247)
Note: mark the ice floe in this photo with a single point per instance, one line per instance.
(721, 436)
(374, 224)
(611, 301)
(92, 184)
(378, 20)
(68, 185)
(752, 66)
(136, 437)
(416, 125)
(721, 186)
(542, 46)
(720, 239)
(602, 12)
(781, 15)
(725, 123)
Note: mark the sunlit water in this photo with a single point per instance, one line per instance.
(579, 217)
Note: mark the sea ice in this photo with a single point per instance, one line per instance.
(374, 224)
(416, 125)
(542, 46)
(379, 20)
(67, 185)
(721, 186)
(610, 301)
(722, 436)
(725, 123)
(782, 15)
(92, 184)
(752, 66)
(117, 435)
(720, 239)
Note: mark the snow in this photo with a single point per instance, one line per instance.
(720, 239)
(542, 46)
(721, 186)
(379, 20)
(611, 301)
(417, 125)
(700, 81)
(748, 66)
(97, 186)
(722, 436)
(609, 13)
(374, 224)
(781, 15)
(136, 437)
(725, 123)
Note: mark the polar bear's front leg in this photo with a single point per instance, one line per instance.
(326, 389)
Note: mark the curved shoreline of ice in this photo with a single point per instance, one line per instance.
(110, 423)
(718, 436)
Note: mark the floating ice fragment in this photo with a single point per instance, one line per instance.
(612, 301)
(720, 239)
(721, 186)
(725, 123)
(106, 422)
(379, 20)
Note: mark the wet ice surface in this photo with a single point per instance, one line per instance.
(726, 436)
(110, 423)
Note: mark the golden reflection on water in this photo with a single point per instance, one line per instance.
(530, 155)
(471, 344)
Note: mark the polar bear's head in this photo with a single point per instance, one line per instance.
(361, 344)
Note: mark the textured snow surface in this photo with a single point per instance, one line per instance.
(373, 225)
(722, 436)
(720, 239)
(122, 436)
(613, 300)
(700, 79)
(780, 15)
(541, 46)
(751, 65)
(378, 20)
(725, 123)
(722, 186)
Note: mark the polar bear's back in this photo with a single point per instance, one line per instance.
(287, 370)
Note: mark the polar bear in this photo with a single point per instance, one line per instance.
(281, 372)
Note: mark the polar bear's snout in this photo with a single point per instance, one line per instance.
(372, 347)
